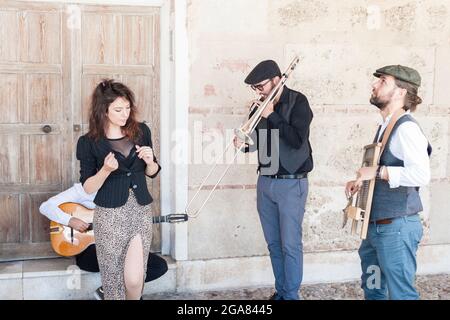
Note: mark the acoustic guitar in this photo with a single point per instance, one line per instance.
(69, 242)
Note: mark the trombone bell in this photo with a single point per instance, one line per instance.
(243, 136)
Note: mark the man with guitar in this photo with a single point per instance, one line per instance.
(388, 254)
(87, 260)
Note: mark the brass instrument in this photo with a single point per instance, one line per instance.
(243, 134)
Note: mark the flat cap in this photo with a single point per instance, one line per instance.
(401, 73)
(264, 70)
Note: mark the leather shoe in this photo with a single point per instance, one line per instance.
(276, 296)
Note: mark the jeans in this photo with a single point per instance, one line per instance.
(281, 206)
(388, 259)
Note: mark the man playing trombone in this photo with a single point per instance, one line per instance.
(285, 158)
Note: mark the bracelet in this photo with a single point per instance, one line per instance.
(378, 173)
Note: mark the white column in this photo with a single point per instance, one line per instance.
(179, 232)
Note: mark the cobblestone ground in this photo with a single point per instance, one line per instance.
(431, 287)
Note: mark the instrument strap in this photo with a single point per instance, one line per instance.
(389, 128)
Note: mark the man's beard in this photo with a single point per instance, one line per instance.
(377, 102)
(381, 103)
(265, 95)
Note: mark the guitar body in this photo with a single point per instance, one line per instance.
(63, 241)
(68, 242)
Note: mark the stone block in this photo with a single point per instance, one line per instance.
(228, 226)
(11, 289)
(439, 215)
(343, 73)
(442, 87)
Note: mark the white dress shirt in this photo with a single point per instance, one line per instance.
(74, 194)
(410, 145)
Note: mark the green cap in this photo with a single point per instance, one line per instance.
(401, 73)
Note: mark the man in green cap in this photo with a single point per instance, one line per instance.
(388, 254)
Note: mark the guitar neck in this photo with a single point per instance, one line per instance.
(159, 219)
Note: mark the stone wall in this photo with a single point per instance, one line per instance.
(340, 44)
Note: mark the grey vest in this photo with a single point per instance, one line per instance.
(394, 202)
(291, 159)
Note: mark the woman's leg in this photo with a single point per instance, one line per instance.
(134, 269)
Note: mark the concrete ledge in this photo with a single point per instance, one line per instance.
(10, 270)
(60, 279)
(217, 274)
(319, 267)
(11, 289)
(433, 259)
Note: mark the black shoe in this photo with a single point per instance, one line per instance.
(276, 296)
(98, 294)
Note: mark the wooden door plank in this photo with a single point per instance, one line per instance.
(10, 218)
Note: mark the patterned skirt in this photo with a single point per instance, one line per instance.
(114, 228)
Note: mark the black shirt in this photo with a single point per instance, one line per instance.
(294, 132)
(130, 174)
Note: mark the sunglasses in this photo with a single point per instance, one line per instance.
(260, 86)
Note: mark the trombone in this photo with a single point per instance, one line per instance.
(243, 134)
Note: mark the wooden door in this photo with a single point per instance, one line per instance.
(51, 56)
(122, 43)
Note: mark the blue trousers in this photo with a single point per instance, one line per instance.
(281, 207)
(388, 259)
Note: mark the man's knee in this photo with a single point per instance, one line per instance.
(274, 246)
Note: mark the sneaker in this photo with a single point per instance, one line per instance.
(98, 294)
(276, 296)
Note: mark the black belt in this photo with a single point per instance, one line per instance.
(289, 176)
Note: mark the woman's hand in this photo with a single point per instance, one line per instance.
(145, 153)
(110, 163)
